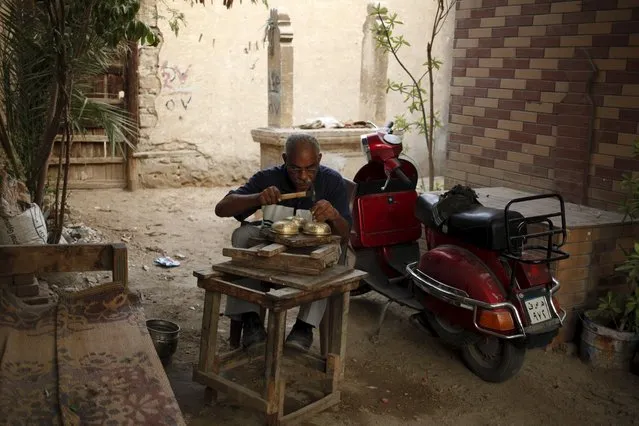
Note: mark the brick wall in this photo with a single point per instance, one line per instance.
(522, 101)
(595, 252)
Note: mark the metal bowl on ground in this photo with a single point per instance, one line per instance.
(285, 227)
(165, 335)
(317, 228)
(299, 220)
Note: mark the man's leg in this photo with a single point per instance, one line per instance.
(241, 310)
(309, 317)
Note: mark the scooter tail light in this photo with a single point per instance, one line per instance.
(536, 274)
(496, 319)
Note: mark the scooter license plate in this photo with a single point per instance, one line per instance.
(538, 309)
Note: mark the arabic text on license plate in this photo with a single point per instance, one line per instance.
(538, 309)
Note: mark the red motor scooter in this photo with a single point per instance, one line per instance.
(484, 285)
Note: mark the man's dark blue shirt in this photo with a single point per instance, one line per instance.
(328, 184)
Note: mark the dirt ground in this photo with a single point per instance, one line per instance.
(406, 377)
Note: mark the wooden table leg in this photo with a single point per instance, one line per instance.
(273, 388)
(208, 339)
(339, 320)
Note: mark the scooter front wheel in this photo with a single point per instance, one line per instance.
(493, 359)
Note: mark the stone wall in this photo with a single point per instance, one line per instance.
(530, 78)
(202, 93)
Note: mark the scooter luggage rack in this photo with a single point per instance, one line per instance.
(534, 254)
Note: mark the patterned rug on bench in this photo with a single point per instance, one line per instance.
(87, 360)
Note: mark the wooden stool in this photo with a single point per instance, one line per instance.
(335, 284)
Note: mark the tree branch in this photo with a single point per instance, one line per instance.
(410, 75)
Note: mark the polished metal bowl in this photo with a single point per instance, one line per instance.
(317, 228)
(285, 227)
(165, 335)
(297, 219)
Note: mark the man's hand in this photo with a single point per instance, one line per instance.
(270, 195)
(323, 211)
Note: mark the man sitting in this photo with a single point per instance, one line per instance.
(301, 168)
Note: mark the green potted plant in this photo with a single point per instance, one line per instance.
(610, 335)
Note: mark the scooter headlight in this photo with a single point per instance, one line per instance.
(365, 148)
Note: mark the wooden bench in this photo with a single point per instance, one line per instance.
(18, 263)
(70, 335)
(335, 285)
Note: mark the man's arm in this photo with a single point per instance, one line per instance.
(323, 211)
(236, 204)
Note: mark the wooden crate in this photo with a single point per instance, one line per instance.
(275, 256)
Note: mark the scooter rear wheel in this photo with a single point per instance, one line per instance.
(493, 359)
(452, 334)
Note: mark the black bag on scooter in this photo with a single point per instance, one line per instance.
(459, 199)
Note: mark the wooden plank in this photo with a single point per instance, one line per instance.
(208, 338)
(241, 394)
(253, 249)
(282, 262)
(240, 357)
(339, 329)
(133, 107)
(120, 269)
(27, 259)
(335, 275)
(235, 290)
(206, 274)
(315, 294)
(271, 250)
(274, 351)
(96, 184)
(323, 251)
(281, 268)
(299, 240)
(311, 409)
(87, 161)
(307, 359)
(80, 138)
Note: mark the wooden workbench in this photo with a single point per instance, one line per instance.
(294, 290)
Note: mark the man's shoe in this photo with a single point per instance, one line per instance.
(252, 330)
(301, 336)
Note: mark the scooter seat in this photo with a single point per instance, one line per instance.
(481, 226)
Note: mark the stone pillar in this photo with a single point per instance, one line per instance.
(373, 74)
(280, 70)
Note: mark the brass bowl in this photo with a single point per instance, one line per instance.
(317, 228)
(299, 220)
(285, 227)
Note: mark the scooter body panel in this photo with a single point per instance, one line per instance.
(462, 269)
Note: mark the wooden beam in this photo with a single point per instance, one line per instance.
(120, 269)
(235, 290)
(271, 250)
(332, 276)
(34, 259)
(274, 351)
(89, 160)
(244, 396)
(133, 107)
(311, 409)
(208, 337)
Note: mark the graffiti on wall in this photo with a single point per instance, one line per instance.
(274, 88)
(175, 81)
